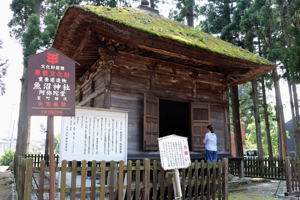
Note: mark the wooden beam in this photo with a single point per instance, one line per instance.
(83, 42)
(93, 95)
(251, 75)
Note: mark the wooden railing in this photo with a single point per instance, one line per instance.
(293, 175)
(235, 166)
(270, 168)
(117, 180)
(37, 158)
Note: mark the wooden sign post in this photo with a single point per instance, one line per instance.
(51, 92)
(174, 155)
(50, 129)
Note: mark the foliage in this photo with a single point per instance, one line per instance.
(218, 18)
(248, 120)
(7, 158)
(251, 135)
(3, 68)
(186, 10)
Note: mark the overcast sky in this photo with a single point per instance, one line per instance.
(9, 103)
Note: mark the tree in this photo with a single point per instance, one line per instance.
(34, 23)
(186, 10)
(219, 21)
(25, 28)
(288, 47)
(3, 68)
(257, 118)
(266, 118)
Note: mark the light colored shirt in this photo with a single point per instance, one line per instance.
(210, 141)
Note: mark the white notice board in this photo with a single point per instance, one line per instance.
(94, 134)
(174, 152)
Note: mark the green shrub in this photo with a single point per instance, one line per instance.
(7, 158)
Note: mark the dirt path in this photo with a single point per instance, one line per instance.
(6, 183)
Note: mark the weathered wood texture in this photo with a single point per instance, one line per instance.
(292, 174)
(168, 80)
(115, 180)
(218, 120)
(122, 82)
(270, 168)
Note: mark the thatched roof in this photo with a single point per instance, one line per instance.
(156, 35)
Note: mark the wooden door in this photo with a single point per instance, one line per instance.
(151, 122)
(200, 118)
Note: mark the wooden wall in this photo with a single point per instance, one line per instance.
(122, 84)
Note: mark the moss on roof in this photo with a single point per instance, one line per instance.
(162, 27)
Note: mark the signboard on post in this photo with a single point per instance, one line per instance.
(95, 134)
(51, 84)
(174, 152)
(51, 92)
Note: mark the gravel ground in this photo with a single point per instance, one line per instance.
(270, 190)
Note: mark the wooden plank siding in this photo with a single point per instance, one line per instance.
(130, 77)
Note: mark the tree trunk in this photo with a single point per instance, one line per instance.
(190, 13)
(23, 136)
(293, 113)
(280, 118)
(235, 105)
(257, 119)
(153, 4)
(266, 115)
(297, 119)
(292, 105)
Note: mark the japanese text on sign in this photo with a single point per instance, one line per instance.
(94, 134)
(51, 84)
(174, 152)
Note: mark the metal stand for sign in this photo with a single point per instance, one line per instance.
(176, 185)
(50, 127)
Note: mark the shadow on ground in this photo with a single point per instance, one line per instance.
(257, 190)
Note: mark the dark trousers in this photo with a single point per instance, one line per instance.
(211, 155)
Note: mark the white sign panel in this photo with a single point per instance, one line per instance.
(94, 134)
(174, 152)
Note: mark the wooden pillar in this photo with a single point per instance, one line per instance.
(288, 175)
(107, 92)
(107, 61)
(28, 179)
(50, 127)
(235, 105)
(242, 169)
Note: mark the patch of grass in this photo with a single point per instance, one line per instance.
(246, 195)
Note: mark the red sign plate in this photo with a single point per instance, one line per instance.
(51, 84)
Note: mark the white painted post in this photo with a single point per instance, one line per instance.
(176, 185)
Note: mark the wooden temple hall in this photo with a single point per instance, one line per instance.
(171, 79)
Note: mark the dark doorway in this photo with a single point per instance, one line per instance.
(174, 118)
